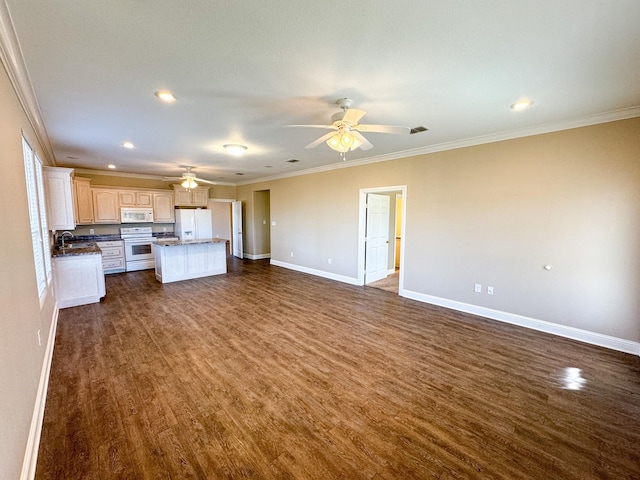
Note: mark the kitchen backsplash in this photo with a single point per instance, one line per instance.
(115, 229)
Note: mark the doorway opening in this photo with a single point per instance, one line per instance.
(381, 237)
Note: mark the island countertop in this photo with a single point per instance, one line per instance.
(174, 243)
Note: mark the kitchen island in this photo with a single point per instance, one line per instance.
(187, 259)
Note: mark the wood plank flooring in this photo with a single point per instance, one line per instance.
(274, 374)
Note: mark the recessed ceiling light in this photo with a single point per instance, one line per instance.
(521, 105)
(165, 96)
(111, 166)
(235, 149)
(128, 145)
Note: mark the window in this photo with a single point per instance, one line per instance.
(37, 216)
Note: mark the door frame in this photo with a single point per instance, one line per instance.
(362, 223)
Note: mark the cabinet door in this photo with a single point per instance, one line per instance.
(127, 198)
(144, 199)
(84, 202)
(59, 196)
(200, 197)
(105, 206)
(183, 197)
(163, 208)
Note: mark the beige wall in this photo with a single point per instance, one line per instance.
(21, 358)
(492, 214)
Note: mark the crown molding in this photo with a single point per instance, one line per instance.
(13, 61)
(110, 173)
(606, 117)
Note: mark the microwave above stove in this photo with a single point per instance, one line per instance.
(136, 215)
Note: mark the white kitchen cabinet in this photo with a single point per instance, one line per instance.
(58, 186)
(163, 207)
(195, 197)
(78, 279)
(112, 256)
(106, 208)
(83, 201)
(184, 260)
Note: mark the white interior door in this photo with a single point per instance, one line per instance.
(236, 228)
(377, 237)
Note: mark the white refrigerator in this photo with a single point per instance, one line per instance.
(193, 224)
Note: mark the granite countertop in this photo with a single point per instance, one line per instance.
(178, 242)
(83, 248)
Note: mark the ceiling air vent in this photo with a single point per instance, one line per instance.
(293, 160)
(418, 130)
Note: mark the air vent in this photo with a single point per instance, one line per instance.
(293, 160)
(239, 173)
(419, 129)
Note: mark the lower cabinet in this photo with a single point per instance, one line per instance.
(78, 279)
(112, 256)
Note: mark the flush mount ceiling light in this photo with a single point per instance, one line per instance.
(111, 166)
(165, 96)
(521, 105)
(128, 145)
(235, 149)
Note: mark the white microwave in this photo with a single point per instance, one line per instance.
(136, 215)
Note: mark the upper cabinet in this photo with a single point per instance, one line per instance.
(163, 208)
(106, 208)
(131, 198)
(195, 197)
(83, 201)
(59, 195)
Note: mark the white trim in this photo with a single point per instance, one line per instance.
(593, 338)
(30, 460)
(606, 117)
(257, 257)
(317, 273)
(15, 66)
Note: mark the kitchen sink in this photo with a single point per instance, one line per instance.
(73, 245)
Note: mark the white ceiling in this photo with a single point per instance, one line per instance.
(242, 70)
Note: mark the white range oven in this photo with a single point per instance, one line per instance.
(138, 248)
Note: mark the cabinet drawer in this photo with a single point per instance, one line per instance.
(110, 243)
(112, 252)
(109, 264)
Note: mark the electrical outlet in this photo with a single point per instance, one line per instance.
(329, 261)
(477, 288)
(164, 229)
(291, 254)
(489, 290)
(91, 231)
(264, 222)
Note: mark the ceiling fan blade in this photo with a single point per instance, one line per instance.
(329, 127)
(323, 138)
(366, 144)
(383, 129)
(202, 180)
(353, 116)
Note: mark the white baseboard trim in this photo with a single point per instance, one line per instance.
(593, 338)
(318, 273)
(257, 257)
(33, 442)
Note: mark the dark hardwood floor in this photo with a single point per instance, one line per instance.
(270, 373)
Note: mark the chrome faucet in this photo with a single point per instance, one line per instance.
(62, 235)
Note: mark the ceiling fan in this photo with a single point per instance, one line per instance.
(189, 180)
(346, 134)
